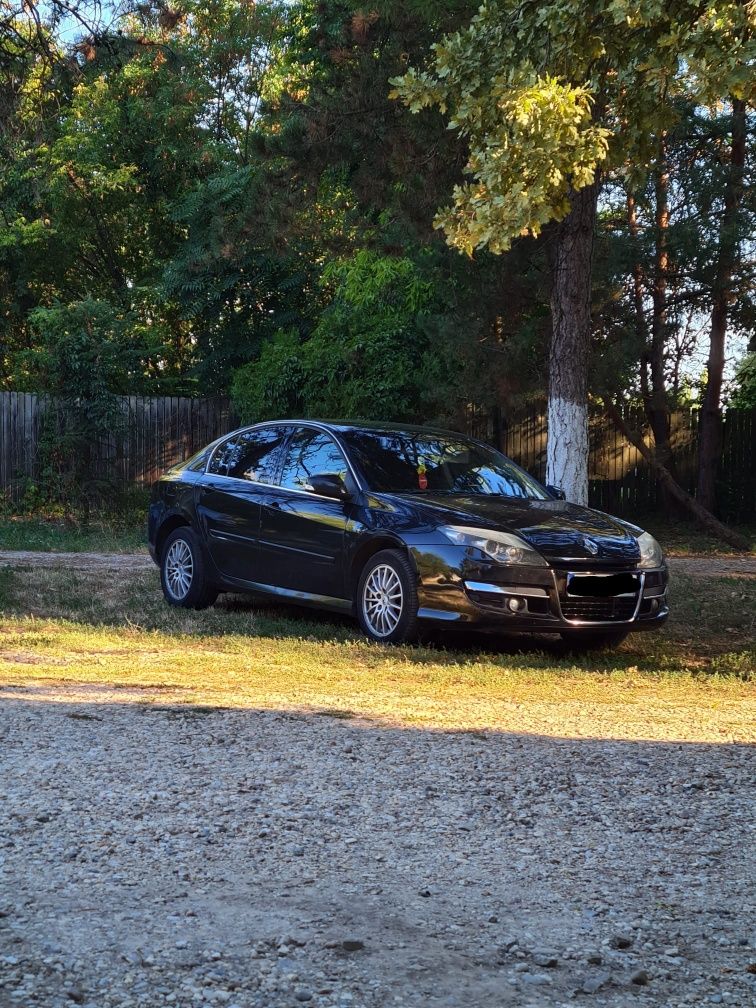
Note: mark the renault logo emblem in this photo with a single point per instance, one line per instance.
(591, 546)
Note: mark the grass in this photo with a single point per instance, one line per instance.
(681, 538)
(65, 536)
(121, 529)
(117, 635)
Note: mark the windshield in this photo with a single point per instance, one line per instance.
(407, 462)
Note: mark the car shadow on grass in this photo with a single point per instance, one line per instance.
(693, 642)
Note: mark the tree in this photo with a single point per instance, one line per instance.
(352, 179)
(710, 424)
(744, 396)
(83, 355)
(659, 271)
(548, 96)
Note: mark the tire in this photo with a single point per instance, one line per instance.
(595, 640)
(388, 579)
(183, 549)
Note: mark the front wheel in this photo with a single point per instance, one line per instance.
(183, 573)
(387, 598)
(595, 640)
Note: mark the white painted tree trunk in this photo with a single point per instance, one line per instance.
(570, 254)
(567, 448)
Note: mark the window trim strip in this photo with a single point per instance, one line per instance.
(284, 423)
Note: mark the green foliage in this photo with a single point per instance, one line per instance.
(367, 356)
(653, 281)
(548, 95)
(271, 386)
(744, 396)
(222, 189)
(83, 356)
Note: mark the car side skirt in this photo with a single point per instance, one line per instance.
(290, 595)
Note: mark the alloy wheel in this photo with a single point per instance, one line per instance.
(382, 600)
(179, 568)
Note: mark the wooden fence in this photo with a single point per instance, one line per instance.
(159, 432)
(620, 481)
(156, 433)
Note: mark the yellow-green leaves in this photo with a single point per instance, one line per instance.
(546, 93)
(531, 140)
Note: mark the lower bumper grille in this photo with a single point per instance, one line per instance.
(487, 600)
(599, 609)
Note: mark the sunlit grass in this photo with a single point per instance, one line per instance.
(115, 636)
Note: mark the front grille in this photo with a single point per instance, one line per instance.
(599, 609)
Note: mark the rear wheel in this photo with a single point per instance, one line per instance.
(595, 640)
(387, 598)
(183, 572)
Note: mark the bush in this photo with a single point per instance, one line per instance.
(82, 358)
(372, 355)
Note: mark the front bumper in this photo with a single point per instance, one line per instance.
(453, 587)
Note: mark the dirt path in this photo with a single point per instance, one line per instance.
(77, 561)
(717, 566)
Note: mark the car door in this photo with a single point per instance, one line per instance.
(230, 496)
(302, 534)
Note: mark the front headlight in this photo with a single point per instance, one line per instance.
(503, 547)
(651, 554)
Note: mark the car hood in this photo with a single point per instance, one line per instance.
(557, 529)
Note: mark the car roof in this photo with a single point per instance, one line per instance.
(342, 426)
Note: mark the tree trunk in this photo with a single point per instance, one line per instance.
(710, 423)
(700, 515)
(658, 406)
(641, 327)
(570, 261)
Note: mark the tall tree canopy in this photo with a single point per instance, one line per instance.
(549, 96)
(226, 197)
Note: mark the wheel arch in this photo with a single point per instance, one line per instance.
(169, 524)
(365, 550)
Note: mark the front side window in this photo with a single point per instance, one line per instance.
(405, 462)
(310, 453)
(249, 455)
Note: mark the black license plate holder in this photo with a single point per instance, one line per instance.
(602, 585)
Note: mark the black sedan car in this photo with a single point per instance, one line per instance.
(400, 526)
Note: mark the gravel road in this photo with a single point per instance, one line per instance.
(158, 855)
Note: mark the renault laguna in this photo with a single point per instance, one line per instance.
(402, 527)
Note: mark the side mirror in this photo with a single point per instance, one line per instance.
(329, 485)
(556, 492)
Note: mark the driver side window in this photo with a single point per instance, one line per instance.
(310, 453)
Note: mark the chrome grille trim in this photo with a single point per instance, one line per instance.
(494, 589)
(586, 601)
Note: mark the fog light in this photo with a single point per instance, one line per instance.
(654, 605)
(516, 604)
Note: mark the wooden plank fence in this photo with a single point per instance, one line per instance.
(620, 481)
(158, 432)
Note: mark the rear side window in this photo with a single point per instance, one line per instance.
(250, 455)
(198, 462)
(310, 453)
